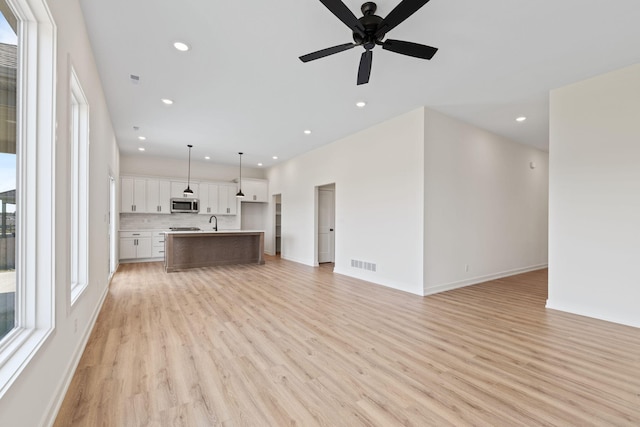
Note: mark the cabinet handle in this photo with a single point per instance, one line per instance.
(135, 234)
(255, 197)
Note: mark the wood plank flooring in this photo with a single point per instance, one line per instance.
(286, 344)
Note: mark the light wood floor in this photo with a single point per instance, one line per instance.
(285, 344)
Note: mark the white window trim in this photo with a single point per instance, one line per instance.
(35, 112)
(79, 147)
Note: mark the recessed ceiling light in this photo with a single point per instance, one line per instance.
(207, 157)
(307, 132)
(275, 157)
(521, 119)
(360, 104)
(182, 47)
(142, 138)
(140, 148)
(259, 164)
(167, 101)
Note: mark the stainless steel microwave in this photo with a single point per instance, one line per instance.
(185, 205)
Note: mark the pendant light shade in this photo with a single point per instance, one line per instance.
(188, 190)
(240, 194)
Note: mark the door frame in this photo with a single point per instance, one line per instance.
(332, 187)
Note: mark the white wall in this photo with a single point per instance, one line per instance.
(485, 208)
(33, 398)
(379, 202)
(170, 168)
(595, 197)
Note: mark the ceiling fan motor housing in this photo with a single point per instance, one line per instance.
(370, 23)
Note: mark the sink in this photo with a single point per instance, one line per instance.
(184, 229)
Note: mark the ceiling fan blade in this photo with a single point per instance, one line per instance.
(402, 11)
(364, 71)
(411, 49)
(343, 13)
(326, 52)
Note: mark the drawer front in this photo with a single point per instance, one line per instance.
(157, 252)
(158, 241)
(135, 234)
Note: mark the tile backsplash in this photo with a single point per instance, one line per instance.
(136, 221)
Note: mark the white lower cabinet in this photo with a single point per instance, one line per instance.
(135, 244)
(157, 242)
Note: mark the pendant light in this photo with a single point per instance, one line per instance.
(188, 190)
(240, 194)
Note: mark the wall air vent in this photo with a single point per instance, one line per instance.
(363, 265)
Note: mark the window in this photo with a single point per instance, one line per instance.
(79, 191)
(30, 161)
(8, 77)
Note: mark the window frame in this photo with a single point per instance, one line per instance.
(79, 182)
(35, 198)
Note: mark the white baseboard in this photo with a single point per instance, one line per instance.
(65, 382)
(480, 279)
(586, 312)
(296, 260)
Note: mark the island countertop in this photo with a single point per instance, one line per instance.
(205, 248)
(213, 231)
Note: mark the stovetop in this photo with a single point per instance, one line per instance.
(184, 229)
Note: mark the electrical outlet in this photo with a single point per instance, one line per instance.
(466, 267)
(75, 326)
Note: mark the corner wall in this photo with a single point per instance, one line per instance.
(379, 202)
(485, 207)
(595, 197)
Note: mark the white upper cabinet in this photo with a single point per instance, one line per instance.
(227, 201)
(139, 194)
(133, 195)
(158, 196)
(208, 198)
(255, 190)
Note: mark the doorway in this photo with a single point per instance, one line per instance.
(277, 222)
(113, 233)
(326, 223)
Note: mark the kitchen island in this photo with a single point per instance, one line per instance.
(191, 249)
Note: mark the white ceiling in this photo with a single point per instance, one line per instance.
(241, 87)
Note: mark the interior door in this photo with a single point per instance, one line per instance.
(326, 219)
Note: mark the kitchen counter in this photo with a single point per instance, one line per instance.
(205, 248)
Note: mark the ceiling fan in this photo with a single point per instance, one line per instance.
(369, 31)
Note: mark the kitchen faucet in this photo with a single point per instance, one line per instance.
(215, 228)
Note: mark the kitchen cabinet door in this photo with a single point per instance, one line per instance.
(143, 248)
(227, 200)
(208, 198)
(255, 190)
(127, 248)
(158, 196)
(133, 194)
